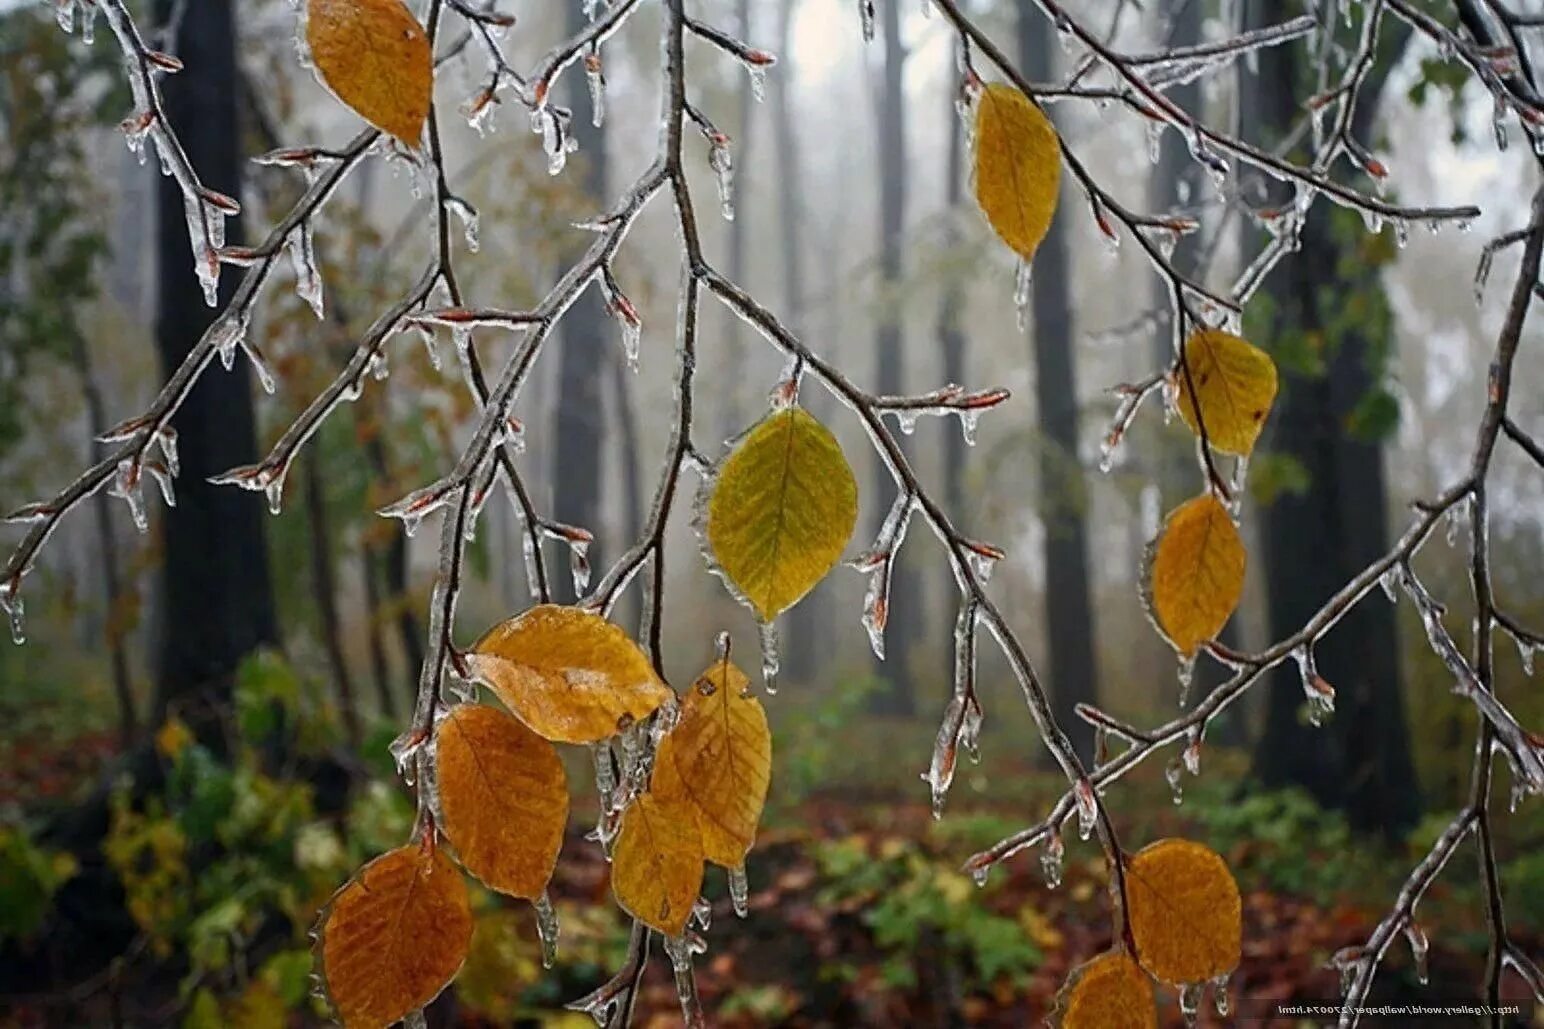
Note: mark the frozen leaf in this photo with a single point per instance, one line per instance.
(1185, 912)
(375, 57)
(503, 798)
(656, 864)
(1195, 573)
(568, 674)
(1018, 167)
(1235, 384)
(394, 935)
(782, 510)
(1109, 992)
(719, 760)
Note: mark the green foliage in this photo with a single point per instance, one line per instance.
(913, 902)
(811, 742)
(30, 875)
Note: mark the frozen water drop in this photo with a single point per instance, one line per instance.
(14, 608)
(1419, 948)
(547, 929)
(1190, 995)
(1088, 808)
(1051, 859)
(770, 662)
(722, 163)
(1174, 773)
(739, 891)
(1220, 998)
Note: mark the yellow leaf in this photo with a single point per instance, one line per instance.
(1195, 573)
(503, 798)
(394, 936)
(718, 759)
(375, 57)
(1236, 385)
(782, 510)
(1186, 917)
(173, 737)
(656, 864)
(1109, 992)
(1018, 167)
(568, 674)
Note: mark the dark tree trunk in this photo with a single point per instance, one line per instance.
(632, 487)
(217, 600)
(802, 636)
(579, 429)
(112, 586)
(380, 668)
(904, 627)
(1069, 620)
(951, 340)
(324, 582)
(1315, 541)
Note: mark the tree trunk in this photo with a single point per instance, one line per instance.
(904, 628)
(579, 429)
(1316, 540)
(217, 600)
(730, 397)
(323, 581)
(802, 637)
(1069, 617)
(632, 487)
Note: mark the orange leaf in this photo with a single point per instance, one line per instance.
(503, 798)
(568, 674)
(718, 759)
(1186, 916)
(1234, 386)
(1195, 573)
(1018, 167)
(656, 864)
(375, 57)
(394, 936)
(1109, 992)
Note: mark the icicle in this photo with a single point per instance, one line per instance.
(404, 751)
(1088, 808)
(866, 19)
(126, 486)
(1320, 694)
(308, 280)
(1220, 998)
(940, 773)
(1023, 278)
(226, 336)
(980, 873)
(11, 603)
(702, 914)
(769, 655)
(1525, 650)
(1190, 995)
(1186, 672)
(1419, 946)
(1051, 859)
(595, 77)
(1191, 755)
(969, 418)
(547, 929)
(478, 112)
(163, 481)
(739, 892)
(876, 606)
(679, 949)
(1389, 581)
(470, 222)
(722, 163)
(1174, 773)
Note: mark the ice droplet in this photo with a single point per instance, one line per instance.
(722, 163)
(770, 661)
(979, 874)
(404, 751)
(1419, 947)
(547, 929)
(679, 949)
(1190, 995)
(1023, 280)
(595, 78)
(702, 914)
(415, 1020)
(1525, 649)
(739, 891)
(1088, 808)
(1220, 998)
(308, 279)
(126, 486)
(11, 603)
(471, 223)
(1389, 581)
(1174, 772)
(1186, 672)
(1051, 859)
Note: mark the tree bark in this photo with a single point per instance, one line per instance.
(579, 429)
(217, 600)
(904, 628)
(1069, 618)
(1315, 541)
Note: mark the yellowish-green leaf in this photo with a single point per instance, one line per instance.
(394, 936)
(782, 510)
(375, 57)
(503, 798)
(568, 674)
(1109, 992)
(656, 863)
(718, 759)
(1235, 383)
(1186, 917)
(1195, 573)
(1018, 167)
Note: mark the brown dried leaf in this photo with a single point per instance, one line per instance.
(503, 798)
(718, 759)
(656, 864)
(1195, 573)
(568, 674)
(395, 935)
(375, 57)
(1186, 916)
